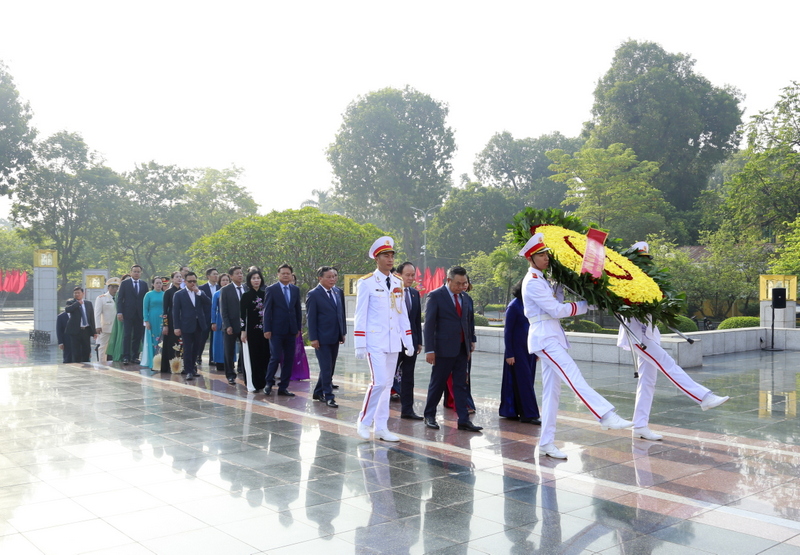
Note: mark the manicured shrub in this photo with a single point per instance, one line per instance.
(740, 322)
(481, 320)
(685, 325)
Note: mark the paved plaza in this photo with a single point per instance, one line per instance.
(100, 459)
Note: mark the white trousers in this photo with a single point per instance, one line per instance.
(650, 361)
(102, 341)
(375, 410)
(557, 365)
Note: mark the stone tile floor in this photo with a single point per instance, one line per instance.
(108, 460)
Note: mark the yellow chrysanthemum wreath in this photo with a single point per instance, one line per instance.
(625, 279)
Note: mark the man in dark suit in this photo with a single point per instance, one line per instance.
(326, 329)
(190, 308)
(407, 361)
(231, 312)
(449, 342)
(282, 320)
(80, 328)
(130, 299)
(208, 289)
(64, 342)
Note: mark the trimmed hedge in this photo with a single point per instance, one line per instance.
(740, 322)
(686, 325)
(583, 326)
(494, 307)
(481, 320)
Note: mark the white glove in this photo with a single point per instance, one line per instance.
(361, 353)
(592, 307)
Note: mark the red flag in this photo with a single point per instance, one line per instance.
(594, 258)
(438, 278)
(23, 279)
(426, 281)
(10, 284)
(1, 281)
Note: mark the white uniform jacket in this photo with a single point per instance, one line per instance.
(105, 312)
(543, 307)
(381, 319)
(641, 330)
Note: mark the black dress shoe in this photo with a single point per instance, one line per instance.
(126, 361)
(285, 393)
(190, 376)
(431, 423)
(411, 416)
(136, 361)
(470, 427)
(268, 390)
(332, 403)
(318, 397)
(232, 381)
(334, 386)
(531, 421)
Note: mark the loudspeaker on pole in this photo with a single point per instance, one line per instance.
(779, 297)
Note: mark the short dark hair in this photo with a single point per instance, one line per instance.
(78, 288)
(208, 272)
(285, 265)
(233, 269)
(136, 266)
(190, 273)
(172, 275)
(402, 266)
(516, 290)
(252, 273)
(153, 281)
(456, 271)
(322, 270)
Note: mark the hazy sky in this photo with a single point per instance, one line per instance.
(263, 85)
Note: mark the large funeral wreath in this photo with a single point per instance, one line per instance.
(631, 285)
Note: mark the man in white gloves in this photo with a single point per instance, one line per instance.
(382, 329)
(649, 361)
(546, 339)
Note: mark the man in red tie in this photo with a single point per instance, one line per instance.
(130, 312)
(449, 334)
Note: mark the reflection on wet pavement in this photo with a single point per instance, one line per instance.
(112, 460)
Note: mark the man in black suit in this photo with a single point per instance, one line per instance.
(230, 310)
(61, 336)
(407, 361)
(208, 289)
(282, 320)
(80, 328)
(326, 329)
(449, 342)
(130, 299)
(190, 308)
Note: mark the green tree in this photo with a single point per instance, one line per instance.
(16, 134)
(612, 189)
(56, 201)
(655, 103)
(15, 252)
(305, 239)
(521, 166)
(787, 259)
(393, 153)
(765, 194)
(509, 267)
(216, 199)
(481, 276)
(471, 219)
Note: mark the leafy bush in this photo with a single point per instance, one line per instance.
(481, 320)
(686, 325)
(740, 322)
(583, 326)
(491, 307)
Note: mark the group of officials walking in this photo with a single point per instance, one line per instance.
(389, 335)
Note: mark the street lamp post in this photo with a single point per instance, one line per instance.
(425, 214)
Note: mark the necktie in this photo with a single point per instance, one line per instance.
(408, 300)
(84, 322)
(458, 311)
(286, 294)
(388, 283)
(239, 291)
(136, 286)
(330, 296)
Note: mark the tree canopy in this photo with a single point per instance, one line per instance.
(653, 102)
(392, 153)
(16, 134)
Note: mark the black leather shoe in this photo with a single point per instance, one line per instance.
(431, 423)
(268, 390)
(126, 361)
(531, 421)
(334, 386)
(332, 403)
(232, 381)
(318, 397)
(190, 376)
(470, 427)
(136, 361)
(411, 416)
(394, 396)
(285, 393)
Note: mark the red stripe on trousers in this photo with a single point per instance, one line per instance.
(369, 393)
(670, 378)
(566, 379)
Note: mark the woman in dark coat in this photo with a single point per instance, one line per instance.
(252, 306)
(170, 339)
(517, 398)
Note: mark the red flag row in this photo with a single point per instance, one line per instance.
(429, 281)
(12, 281)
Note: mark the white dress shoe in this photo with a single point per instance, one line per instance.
(551, 451)
(614, 421)
(646, 433)
(363, 431)
(386, 435)
(710, 401)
